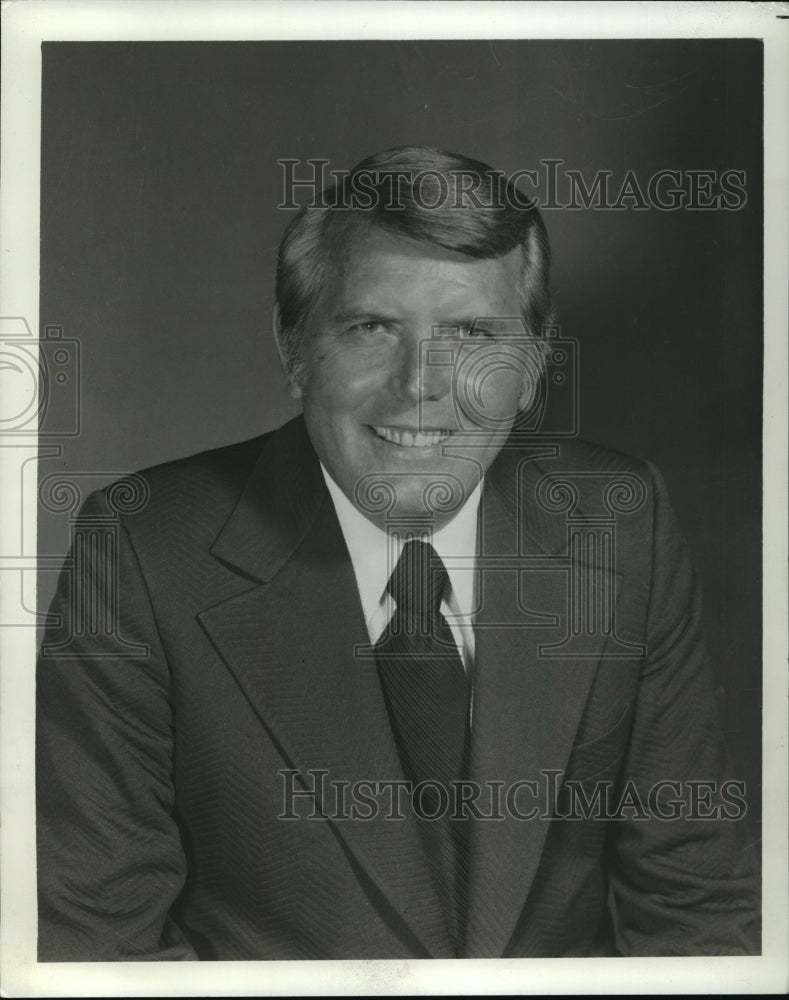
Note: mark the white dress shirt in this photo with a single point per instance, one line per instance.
(374, 555)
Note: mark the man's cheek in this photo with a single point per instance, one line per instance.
(345, 384)
(490, 395)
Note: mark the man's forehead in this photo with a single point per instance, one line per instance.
(375, 256)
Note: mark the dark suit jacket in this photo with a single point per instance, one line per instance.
(159, 774)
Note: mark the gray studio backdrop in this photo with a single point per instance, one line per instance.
(159, 229)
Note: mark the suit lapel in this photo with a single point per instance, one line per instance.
(290, 642)
(527, 706)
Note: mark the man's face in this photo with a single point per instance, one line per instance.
(373, 407)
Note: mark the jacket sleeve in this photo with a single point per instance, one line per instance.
(110, 862)
(684, 878)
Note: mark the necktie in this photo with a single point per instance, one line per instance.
(427, 695)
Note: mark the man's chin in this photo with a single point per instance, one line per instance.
(432, 496)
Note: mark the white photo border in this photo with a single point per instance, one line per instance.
(26, 26)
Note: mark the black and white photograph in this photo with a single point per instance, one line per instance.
(394, 500)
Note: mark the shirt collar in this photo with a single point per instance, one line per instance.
(374, 553)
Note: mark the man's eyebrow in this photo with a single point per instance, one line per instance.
(461, 321)
(348, 315)
(466, 322)
(357, 314)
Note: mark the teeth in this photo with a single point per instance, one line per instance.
(409, 439)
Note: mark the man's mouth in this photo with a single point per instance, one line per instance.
(411, 439)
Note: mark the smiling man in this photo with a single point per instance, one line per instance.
(362, 292)
(418, 674)
(371, 403)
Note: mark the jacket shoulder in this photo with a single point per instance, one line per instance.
(197, 490)
(225, 466)
(579, 455)
(590, 467)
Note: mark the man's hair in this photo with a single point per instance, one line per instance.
(425, 194)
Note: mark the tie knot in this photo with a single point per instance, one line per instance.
(419, 579)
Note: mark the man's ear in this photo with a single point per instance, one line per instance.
(293, 388)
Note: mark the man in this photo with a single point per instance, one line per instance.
(408, 677)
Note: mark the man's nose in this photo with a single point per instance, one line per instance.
(416, 379)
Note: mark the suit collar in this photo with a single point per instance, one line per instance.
(511, 511)
(280, 501)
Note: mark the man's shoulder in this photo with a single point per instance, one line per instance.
(204, 486)
(550, 479)
(580, 455)
(227, 466)
(573, 456)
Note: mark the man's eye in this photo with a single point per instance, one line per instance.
(369, 326)
(477, 332)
